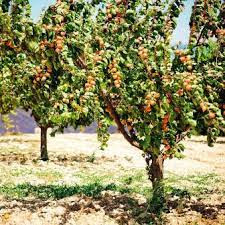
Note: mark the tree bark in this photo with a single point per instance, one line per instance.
(155, 174)
(154, 168)
(44, 151)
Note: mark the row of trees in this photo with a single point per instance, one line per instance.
(112, 62)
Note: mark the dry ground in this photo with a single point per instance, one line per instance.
(82, 185)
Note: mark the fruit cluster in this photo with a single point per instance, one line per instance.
(204, 106)
(113, 70)
(8, 43)
(58, 28)
(59, 44)
(212, 115)
(43, 44)
(67, 99)
(42, 73)
(90, 83)
(100, 41)
(114, 11)
(185, 58)
(165, 122)
(98, 56)
(221, 32)
(143, 54)
(189, 81)
(150, 100)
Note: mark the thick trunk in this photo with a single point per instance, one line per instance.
(155, 174)
(44, 151)
(156, 170)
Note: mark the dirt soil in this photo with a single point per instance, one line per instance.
(74, 156)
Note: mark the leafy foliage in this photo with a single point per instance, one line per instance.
(156, 94)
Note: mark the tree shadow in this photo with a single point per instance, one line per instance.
(180, 199)
(117, 202)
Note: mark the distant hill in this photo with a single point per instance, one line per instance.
(24, 123)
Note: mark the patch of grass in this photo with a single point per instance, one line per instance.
(136, 181)
(9, 175)
(49, 175)
(7, 150)
(20, 172)
(91, 158)
(57, 191)
(196, 185)
(132, 181)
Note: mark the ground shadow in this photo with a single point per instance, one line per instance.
(58, 159)
(116, 201)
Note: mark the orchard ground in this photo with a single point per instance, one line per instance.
(82, 185)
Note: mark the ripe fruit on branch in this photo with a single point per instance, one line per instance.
(115, 73)
(178, 52)
(165, 122)
(42, 72)
(97, 58)
(221, 32)
(180, 92)
(9, 44)
(109, 6)
(56, 105)
(212, 115)
(203, 106)
(147, 109)
(188, 87)
(100, 41)
(66, 100)
(118, 2)
(143, 53)
(90, 83)
(151, 99)
(59, 44)
(71, 96)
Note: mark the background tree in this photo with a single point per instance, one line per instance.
(207, 45)
(45, 76)
(8, 57)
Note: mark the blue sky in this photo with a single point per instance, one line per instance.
(180, 34)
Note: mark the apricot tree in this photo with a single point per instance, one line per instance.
(8, 99)
(42, 74)
(157, 94)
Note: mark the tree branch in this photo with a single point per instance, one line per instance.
(81, 63)
(118, 122)
(200, 36)
(180, 137)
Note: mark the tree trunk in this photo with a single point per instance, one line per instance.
(44, 151)
(155, 174)
(156, 170)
